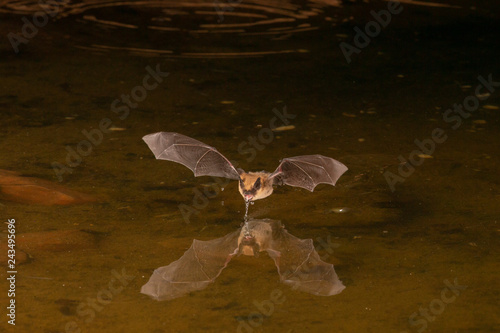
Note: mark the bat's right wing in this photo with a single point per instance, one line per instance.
(300, 266)
(200, 265)
(202, 159)
(307, 171)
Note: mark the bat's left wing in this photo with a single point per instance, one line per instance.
(300, 266)
(201, 158)
(308, 171)
(200, 265)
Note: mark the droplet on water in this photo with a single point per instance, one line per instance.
(340, 210)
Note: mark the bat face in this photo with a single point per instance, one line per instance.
(255, 185)
(248, 245)
(255, 237)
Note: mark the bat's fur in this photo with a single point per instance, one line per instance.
(255, 185)
(258, 239)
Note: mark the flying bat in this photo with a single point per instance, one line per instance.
(297, 261)
(305, 171)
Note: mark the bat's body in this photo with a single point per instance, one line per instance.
(303, 171)
(297, 261)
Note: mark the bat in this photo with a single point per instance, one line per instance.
(297, 261)
(303, 171)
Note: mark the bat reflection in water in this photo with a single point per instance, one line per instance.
(303, 171)
(297, 261)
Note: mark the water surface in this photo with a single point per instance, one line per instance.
(394, 250)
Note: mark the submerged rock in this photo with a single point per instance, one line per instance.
(30, 190)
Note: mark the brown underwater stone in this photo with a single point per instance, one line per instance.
(30, 190)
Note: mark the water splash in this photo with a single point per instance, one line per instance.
(245, 229)
(247, 204)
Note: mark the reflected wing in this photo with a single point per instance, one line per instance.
(308, 171)
(300, 266)
(202, 159)
(200, 265)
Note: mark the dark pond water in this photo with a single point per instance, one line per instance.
(414, 234)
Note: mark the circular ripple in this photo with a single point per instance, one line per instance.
(198, 29)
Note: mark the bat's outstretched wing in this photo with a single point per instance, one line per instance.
(202, 159)
(200, 265)
(308, 171)
(300, 266)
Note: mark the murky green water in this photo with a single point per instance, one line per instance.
(396, 252)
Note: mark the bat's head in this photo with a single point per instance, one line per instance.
(249, 246)
(255, 185)
(255, 236)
